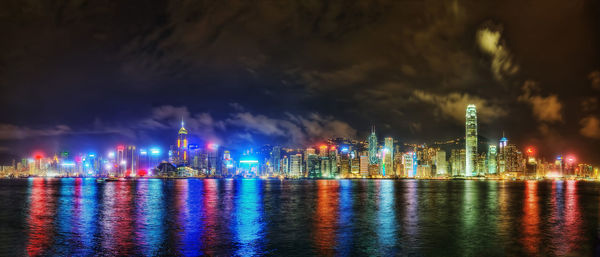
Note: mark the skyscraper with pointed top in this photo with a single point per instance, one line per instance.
(470, 140)
(182, 146)
(372, 139)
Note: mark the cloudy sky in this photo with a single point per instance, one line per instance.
(82, 75)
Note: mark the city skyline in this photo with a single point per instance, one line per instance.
(331, 158)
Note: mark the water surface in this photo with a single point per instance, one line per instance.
(191, 217)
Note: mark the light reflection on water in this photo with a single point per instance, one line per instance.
(328, 217)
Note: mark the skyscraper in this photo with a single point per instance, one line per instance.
(470, 140)
(372, 139)
(492, 157)
(181, 153)
(388, 157)
(440, 163)
(296, 165)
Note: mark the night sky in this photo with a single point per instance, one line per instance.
(85, 75)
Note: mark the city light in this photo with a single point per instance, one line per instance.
(249, 161)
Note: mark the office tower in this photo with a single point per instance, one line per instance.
(355, 166)
(387, 167)
(471, 140)
(492, 159)
(372, 139)
(275, 159)
(313, 166)
(212, 157)
(364, 166)
(120, 161)
(502, 154)
(440, 163)
(457, 161)
(181, 153)
(296, 165)
(409, 160)
(326, 167)
(143, 162)
(323, 150)
(131, 160)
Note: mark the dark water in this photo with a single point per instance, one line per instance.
(69, 217)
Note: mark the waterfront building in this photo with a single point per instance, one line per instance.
(131, 161)
(364, 166)
(457, 161)
(296, 165)
(470, 140)
(441, 166)
(387, 157)
(313, 164)
(355, 166)
(372, 141)
(409, 161)
(492, 160)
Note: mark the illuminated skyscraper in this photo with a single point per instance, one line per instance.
(492, 157)
(181, 153)
(388, 157)
(372, 139)
(409, 160)
(440, 163)
(470, 140)
(296, 165)
(502, 155)
(364, 166)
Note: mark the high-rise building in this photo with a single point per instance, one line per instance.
(181, 154)
(275, 159)
(470, 140)
(372, 139)
(296, 165)
(409, 160)
(364, 166)
(131, 161)
(313, 166)
(492, 159)
(387, 167)
(440, 163)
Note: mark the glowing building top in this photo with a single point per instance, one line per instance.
(182, 130)
(470, 139)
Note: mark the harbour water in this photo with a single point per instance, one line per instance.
(191, 217)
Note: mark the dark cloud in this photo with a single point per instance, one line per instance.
(243, 72)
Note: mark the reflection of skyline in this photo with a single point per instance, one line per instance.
(326, 216)
(531, 218)
(41, 216)
(386, 217)
(248, 224)
(333, 217)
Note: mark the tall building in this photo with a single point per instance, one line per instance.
(409, 160)
(296, 165)
(440, 163)
(131, 161)
(470, 140)
(364, 166)
(181, 152)
(492, 159)
(313, 166)
(372, 139)
(387, 167)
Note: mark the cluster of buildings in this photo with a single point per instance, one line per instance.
(334, 158)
